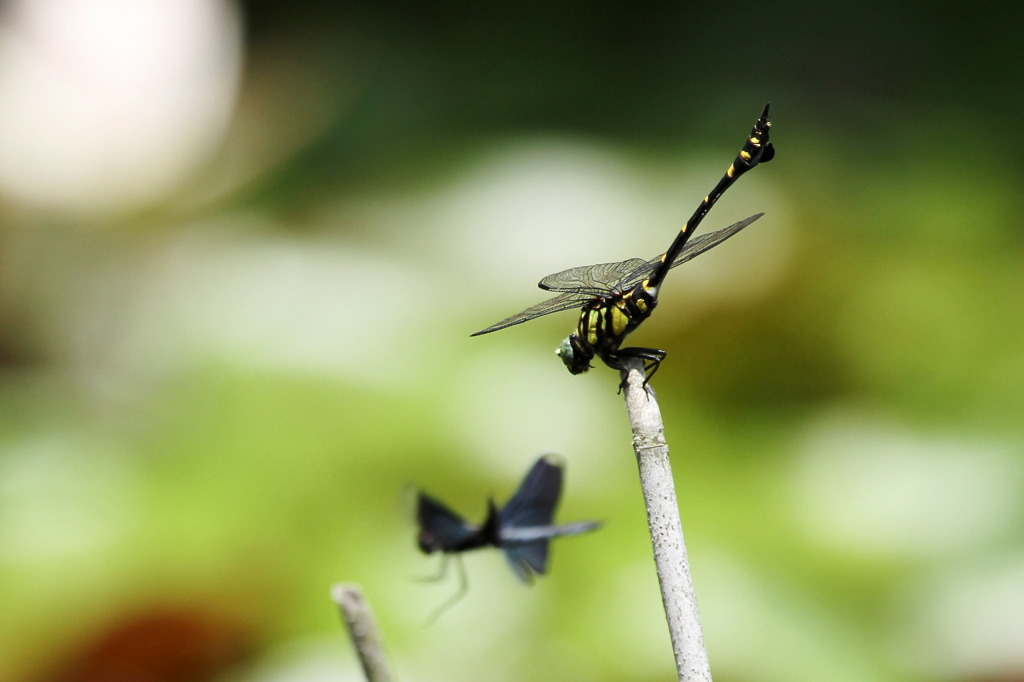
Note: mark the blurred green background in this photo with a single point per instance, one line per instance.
(243, 246)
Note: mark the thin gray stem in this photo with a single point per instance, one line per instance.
(659, 490)
(362, 628)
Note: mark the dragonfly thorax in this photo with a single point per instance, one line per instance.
(604, 323)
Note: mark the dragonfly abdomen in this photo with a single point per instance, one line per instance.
(755, 150)
(529, 535)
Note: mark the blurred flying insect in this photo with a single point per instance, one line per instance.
(617, 297)
(522, 529)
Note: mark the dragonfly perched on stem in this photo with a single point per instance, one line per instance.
(617, 297)
(523, 528)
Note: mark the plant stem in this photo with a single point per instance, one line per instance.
(670, 558)
(362, 628)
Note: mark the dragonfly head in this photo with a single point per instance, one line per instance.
(575, 356)
(427, 542)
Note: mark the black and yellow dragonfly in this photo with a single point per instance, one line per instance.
(617, 297)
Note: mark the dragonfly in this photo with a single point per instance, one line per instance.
(522, 529)
(615, 298)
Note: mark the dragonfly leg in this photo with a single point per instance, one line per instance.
(441, 573)
(463, 588)
(652, 362)
(651, 357)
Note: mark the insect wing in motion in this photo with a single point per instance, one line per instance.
(532, 506)
(535, 501)
(441, 529)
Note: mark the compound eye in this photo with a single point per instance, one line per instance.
(565, 352)
(427, 543)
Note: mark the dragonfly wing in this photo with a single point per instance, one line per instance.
(441, 529)
(535, 501)
(583, 282)
(527, 560)
(552, 305)
(697, 246)
(533, 505)
(712, 239)
(592, 279)
(526, 519)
